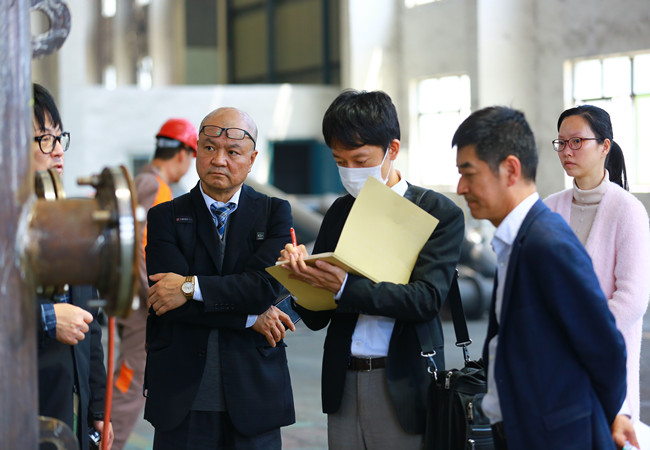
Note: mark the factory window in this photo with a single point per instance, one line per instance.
(442, 104)
(283, 41)
(621, 86)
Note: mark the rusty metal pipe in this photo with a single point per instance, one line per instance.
(71, 241)
(65, 242)
(86, 241)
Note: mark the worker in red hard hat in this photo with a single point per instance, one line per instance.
(180, 130)
(175, 151)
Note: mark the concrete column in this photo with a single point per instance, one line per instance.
(77, 66)
(78, 72)
(124, 44)
(506, 53)
(369, 45)
(167, 41)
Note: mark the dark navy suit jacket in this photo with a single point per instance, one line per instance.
(182, 238)
(419, 301)
(560, 364)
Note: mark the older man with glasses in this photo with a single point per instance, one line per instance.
(216, 374)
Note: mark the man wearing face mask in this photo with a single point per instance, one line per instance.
(374, 379)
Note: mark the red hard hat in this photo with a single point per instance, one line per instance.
(180, 129)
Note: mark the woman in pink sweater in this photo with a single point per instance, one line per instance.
(610, 222)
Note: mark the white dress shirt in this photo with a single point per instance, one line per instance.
(504, 236)
(372, 333)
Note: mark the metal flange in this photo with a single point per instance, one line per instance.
(57, 433)
(48, 185)
(89, 241)
(117, 212)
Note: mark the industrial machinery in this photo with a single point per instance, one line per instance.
(49, 241)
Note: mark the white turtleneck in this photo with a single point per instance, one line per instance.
(584, 206)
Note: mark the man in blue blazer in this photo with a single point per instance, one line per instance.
(216, 374)
(556, 362)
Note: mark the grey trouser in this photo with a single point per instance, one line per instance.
(366, 419)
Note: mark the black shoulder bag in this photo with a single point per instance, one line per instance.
(455, 420)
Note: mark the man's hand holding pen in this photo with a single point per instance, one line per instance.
(323, 275)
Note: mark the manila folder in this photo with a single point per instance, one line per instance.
(381, 240)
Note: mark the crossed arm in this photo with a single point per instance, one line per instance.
(228, 300)
(166, 296)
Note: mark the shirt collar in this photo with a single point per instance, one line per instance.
(507, 230)
(209, 200)
(401, 186)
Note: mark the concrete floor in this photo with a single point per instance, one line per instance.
(304, 351)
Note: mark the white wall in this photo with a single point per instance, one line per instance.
(109, 127)
(568, 29)
(384, 46)
(485, 38)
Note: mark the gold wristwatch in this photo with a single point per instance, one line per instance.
(187, 288)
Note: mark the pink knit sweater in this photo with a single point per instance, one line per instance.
(619, 246)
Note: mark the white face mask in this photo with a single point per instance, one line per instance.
(353, 179)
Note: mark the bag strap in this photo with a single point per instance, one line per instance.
(460, 329)
(458, 318)
(416, 195)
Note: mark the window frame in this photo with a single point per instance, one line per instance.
(425, 157)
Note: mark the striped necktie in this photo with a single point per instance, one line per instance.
(221, 214)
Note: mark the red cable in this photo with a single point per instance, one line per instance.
(109, 381)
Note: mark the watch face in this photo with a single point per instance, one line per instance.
(187, 287)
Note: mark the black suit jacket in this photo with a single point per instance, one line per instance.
(182, 238)
(418, 301)
(59, 364)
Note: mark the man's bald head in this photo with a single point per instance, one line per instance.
(231, 115)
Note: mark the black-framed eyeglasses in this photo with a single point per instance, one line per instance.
(47, 142)
(237, 134)
(575, 143)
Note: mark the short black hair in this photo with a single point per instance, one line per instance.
(45, 108)
(167, 148)
(601, 124)
(358, 118)
(498, 132)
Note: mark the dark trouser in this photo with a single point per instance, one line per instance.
(499, 436)
(207, 430)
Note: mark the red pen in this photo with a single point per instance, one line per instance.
(293, 237)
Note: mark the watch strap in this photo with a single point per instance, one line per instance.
(189, 279)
